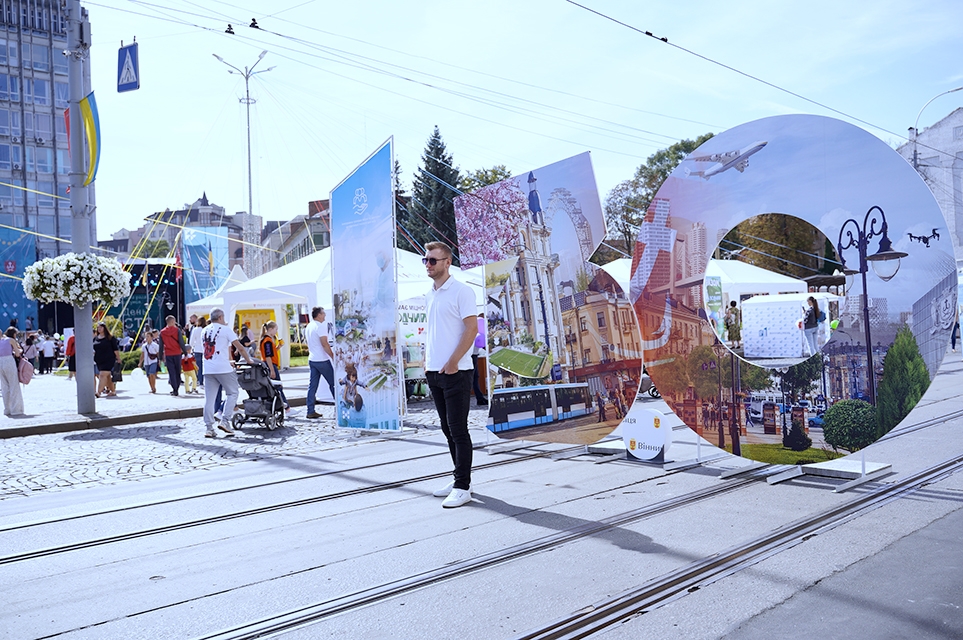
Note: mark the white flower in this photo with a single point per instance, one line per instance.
(77, 280)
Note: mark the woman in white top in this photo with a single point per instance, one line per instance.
(9, 379)
(196, 341)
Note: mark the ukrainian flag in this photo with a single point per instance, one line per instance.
(91, 121)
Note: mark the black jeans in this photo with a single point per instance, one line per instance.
(452, 395)
(173, 364)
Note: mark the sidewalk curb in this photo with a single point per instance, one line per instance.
(105, 422)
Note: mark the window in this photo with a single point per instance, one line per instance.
(40, 17)
(600, 316)
(581, 323)
(46, 196)
(41, 90)
(9, 87)
(41, 57)
(61, 94)
(587, 357)
(4, 122)
(17, 191)
(45, 161)
(3, 52)
(5, 157)
(60, 125)
(12, 58)
(63, 162)
(66, 227)
(31, 158)
(60, 60)
(47, 224)
(32, 193)
(6, 194)
(42, 125)
(28, 123)
(26, 53)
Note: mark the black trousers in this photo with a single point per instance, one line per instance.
(452, 396)
(173, 364)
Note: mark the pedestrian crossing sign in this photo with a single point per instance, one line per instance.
(128, 69)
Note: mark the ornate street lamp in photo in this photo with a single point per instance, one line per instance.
(720, 350)
(886, 264)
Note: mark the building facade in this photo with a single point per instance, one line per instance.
(34, 161)
(937, 153)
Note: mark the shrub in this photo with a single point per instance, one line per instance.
(129, 359)
(796, 439)
(298, 349)
(850, 425)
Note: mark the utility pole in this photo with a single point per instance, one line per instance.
(78, 48)
(247, 101)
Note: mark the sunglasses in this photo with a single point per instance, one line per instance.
(432, 261)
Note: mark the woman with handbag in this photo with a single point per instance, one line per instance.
(106, 355)
(10, 350)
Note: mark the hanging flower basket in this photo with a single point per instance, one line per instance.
(77, 279)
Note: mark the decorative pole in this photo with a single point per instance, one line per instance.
(78, 45)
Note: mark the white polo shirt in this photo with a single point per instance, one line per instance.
(448, 307)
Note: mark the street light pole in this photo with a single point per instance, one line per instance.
(916, 131)
(861, 241)
(78, 46)
(247, 101)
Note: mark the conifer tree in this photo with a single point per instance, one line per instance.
(905, 380)
(431, 213)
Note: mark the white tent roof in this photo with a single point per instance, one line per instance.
(216, 299)
(743, 279)
(308, 281)
(797, 298)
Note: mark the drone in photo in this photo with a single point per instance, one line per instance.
(925, 239)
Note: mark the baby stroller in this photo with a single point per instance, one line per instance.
(263, 404)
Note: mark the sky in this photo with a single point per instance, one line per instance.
(523, 84)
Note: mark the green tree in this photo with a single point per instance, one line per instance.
(779, 243)
(796, 439)
(671, 378)
(704, 371)
(475, 180)
(627, 203)
(754, 378)
(431, 214)
(154, 249)
(582, 279)
(850, 425)
(800, 379)
(905, 380)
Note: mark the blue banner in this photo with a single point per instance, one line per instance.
(206, 261)
(363, 280)
(18, 250)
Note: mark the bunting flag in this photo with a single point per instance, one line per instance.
(210, 258)
(91, 121)
(178, 267)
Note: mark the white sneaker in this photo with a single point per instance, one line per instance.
(226, 428)
(456, 498)
(442, 492)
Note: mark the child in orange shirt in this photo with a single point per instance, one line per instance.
(189, 368)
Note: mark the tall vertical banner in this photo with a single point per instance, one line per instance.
(369, 377)
(206, 261)
(17, 251)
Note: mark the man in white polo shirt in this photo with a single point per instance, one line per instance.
(452, 327)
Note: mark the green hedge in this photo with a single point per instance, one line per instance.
(129, 359)
(298, 350)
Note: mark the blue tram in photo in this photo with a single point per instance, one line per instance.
(518, 407)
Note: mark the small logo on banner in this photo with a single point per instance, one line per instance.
(10, 266)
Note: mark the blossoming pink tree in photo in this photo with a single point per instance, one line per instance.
(489, 222)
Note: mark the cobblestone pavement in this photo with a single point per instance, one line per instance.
(59, 461)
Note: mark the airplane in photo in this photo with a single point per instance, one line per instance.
(723, 161)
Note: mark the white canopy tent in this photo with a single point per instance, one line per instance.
(203, 306)
(741, 280)
(308, 281)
